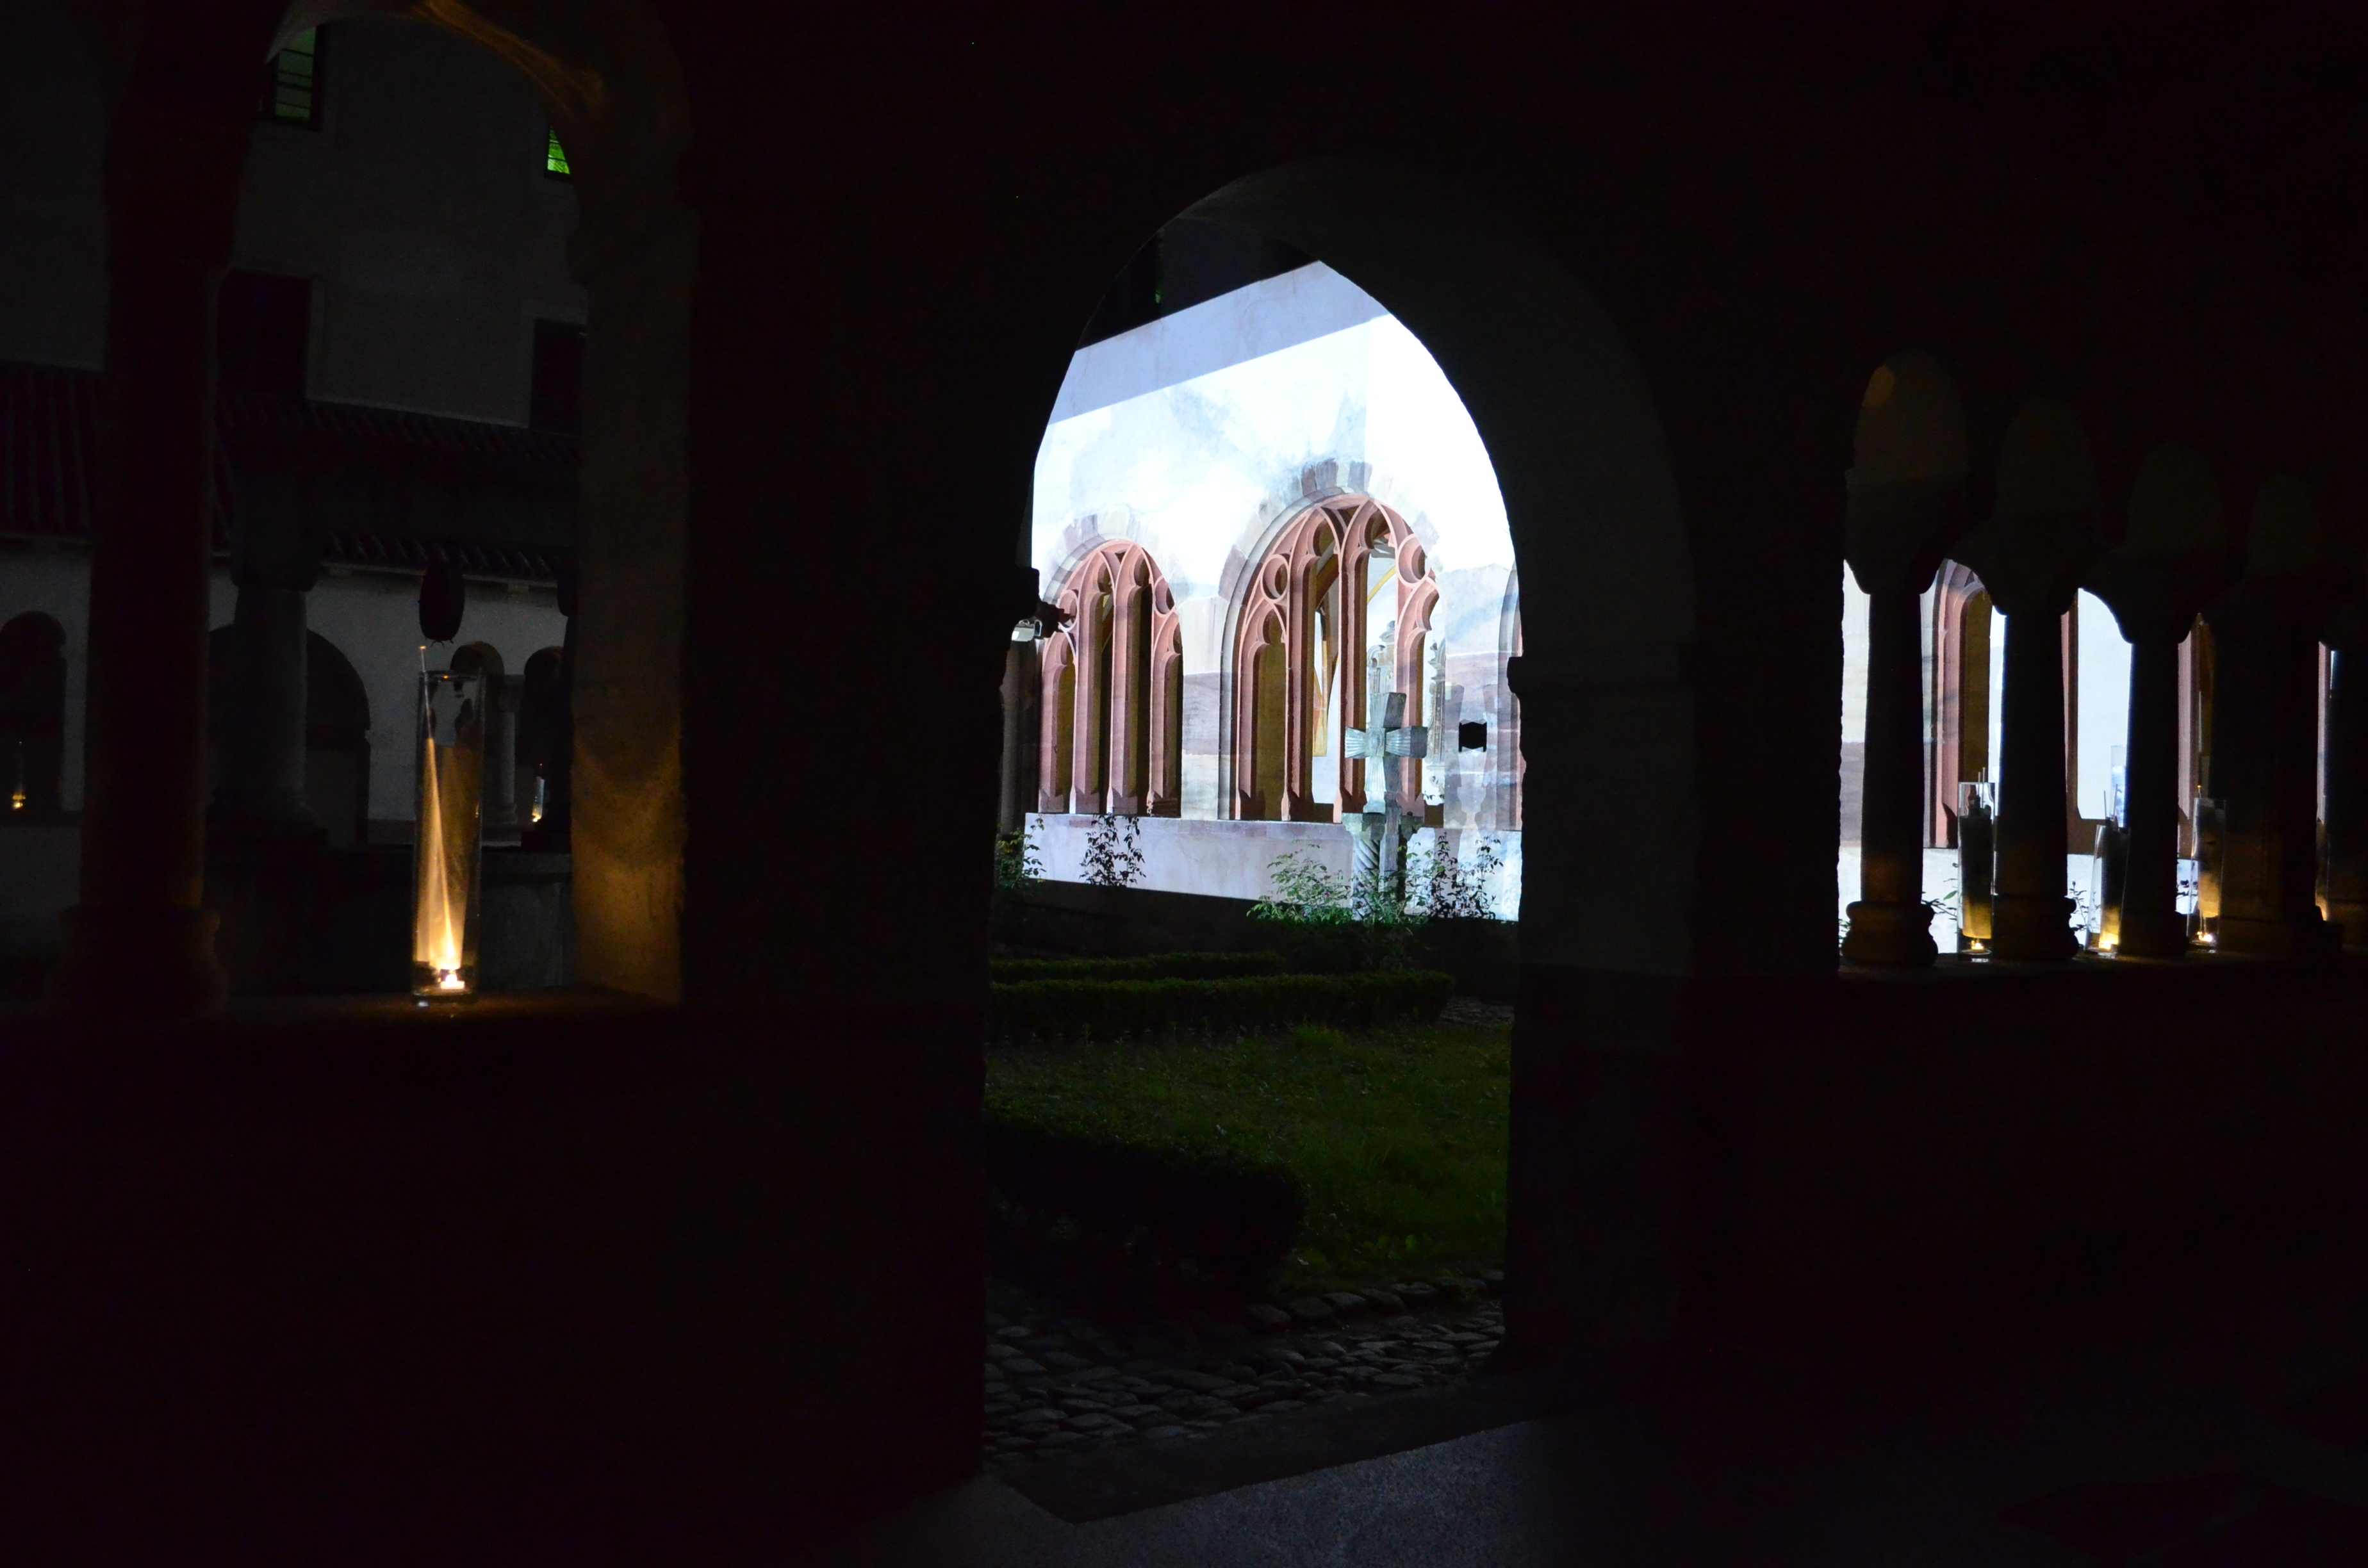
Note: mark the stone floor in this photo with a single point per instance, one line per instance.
(1058, 1383)
(2198, 1400)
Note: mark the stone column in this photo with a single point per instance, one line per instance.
(1905, 505)
(259, 790)
(1018, 788)
(2045, 529)
(2151, 925)
(2265, 729)
(2031, 917)
(2347, 782)
(2175, 556)
(1890, 922)
(138, 943)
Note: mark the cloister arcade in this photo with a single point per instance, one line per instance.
(693, 1254)
(2098, 738)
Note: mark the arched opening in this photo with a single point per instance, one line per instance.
(501, 700)
(1348, 635)
(1110, 742)
(336, 743)
(542, 730)
(1346, 586)
(32, 717)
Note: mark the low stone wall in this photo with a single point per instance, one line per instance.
(1959, 1122)
(40, 864)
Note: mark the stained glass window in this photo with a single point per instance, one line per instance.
(554, 159)
(292, 88)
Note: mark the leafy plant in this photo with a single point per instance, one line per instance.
(1450, 890)
(1111, 858)
(1307, 893)
(1018, 867)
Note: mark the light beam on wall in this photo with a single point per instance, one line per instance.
(445, 853)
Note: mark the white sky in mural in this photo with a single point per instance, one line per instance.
(1192, 462)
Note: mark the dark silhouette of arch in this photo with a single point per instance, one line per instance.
(542, 733)
(32, 717)
(336, 742)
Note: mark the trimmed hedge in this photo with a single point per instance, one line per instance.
(1108, 1009)
(1158, 1214)
(1161, 966)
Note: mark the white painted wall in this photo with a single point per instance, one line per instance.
(1236, 860)
(373, 619)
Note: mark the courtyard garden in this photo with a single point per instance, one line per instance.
(1276, 1162)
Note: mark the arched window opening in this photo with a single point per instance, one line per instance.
(32, 717)
(1112, 726)
(336, 743)
(502, 824)
(1340, 605)
(542, 731)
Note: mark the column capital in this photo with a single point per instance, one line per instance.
(2157, 597)
(1896, 532)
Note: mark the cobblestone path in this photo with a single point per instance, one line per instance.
(1056, 1383)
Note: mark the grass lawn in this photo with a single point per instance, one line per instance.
(1396, 1135)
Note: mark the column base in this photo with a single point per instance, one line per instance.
(2277, 937)
(2353, 919)
(135, 962)
(1891, 936)
(2032, 929)
(2144, 938)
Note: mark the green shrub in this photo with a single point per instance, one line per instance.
(1108, 1009)
(1159, 966)
(1175, 1216)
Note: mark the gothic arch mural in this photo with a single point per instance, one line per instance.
(1112, 725)
(1309, 659)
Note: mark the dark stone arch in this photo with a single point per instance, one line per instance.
(1598, 530)
(1606, 727)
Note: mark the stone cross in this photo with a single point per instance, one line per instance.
(1380, 836)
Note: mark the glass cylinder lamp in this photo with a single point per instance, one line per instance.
(1976, 859)
(2211, 858)
(445, 860)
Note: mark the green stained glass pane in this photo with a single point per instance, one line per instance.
(294, 71)
(555, 158)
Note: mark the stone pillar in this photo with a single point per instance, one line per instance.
(501, 756)
(1905, 491)
(2347, 785)
(2265, 729)
(1017, 783)
(2045, 529)
(1890, 922)
(138, 943)
(260, 787)
(2176, 555)
(2151, 925)
(2031, 918)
